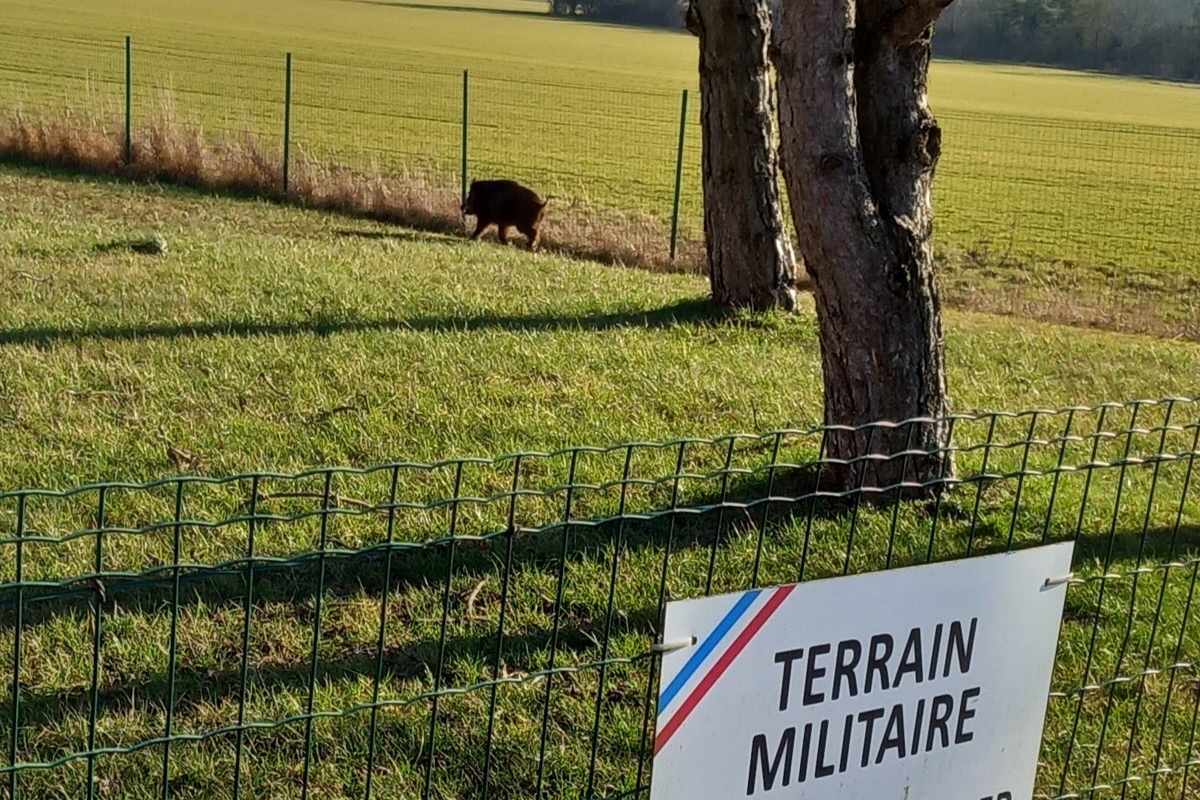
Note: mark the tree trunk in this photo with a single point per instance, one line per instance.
(860, 146)
(750, 258)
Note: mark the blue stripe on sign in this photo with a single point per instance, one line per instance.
(706, 647)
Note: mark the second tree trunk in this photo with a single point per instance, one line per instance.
(861, 147)
(750, 258)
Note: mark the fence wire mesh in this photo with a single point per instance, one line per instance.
(1051, 189)
(89, 78)
(406, 121)
(482, 627)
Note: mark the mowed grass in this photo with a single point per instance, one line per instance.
(271, 339)
(427, 328)
(1055, 169)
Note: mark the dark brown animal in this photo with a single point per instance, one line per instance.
(505, 204)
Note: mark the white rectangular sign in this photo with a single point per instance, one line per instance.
(925, 683)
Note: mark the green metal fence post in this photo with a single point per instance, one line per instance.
(247, 614)
(287, 118)
(173, 642)
(466, 94)
(678, 173)
(128, 100)
(15, 731)
(97, 640)
(315, 658)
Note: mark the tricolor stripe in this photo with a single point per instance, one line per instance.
(718, 669)
(706, 647)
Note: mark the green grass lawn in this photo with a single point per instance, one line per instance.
(269, 338)
(1039, 165)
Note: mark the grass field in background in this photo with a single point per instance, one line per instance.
(1069, 171)
(379, 344)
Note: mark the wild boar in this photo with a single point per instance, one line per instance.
(505, 204)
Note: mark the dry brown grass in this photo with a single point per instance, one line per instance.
(574, 229)
(163, 150)
(168, 151)
(64, 140)
(409, 200)
(1162, 316)
(1106, 297)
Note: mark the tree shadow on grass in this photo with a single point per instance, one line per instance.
(693, 312)
(461, 9)
(1158, 544)
(400, 235)
(516, 12)
(707, 519)
(199, 687)
(610, 250)
(579, 630)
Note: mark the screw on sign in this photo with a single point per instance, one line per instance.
(931, 678)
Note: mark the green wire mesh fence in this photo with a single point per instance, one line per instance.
(483, 627)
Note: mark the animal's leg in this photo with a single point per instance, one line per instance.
(502, 233)
(480, 227)
(535, 239)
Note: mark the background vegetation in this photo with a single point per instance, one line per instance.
(1145, 37)
(665, 13)
(1142, 37)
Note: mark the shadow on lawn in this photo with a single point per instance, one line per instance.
(578, 626)
(699, 311)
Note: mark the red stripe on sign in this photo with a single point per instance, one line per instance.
(718, 669)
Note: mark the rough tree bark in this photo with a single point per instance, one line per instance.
(860, 147)
(750, 259)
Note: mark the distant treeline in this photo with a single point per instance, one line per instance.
(660, 13)
(1147, 37)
